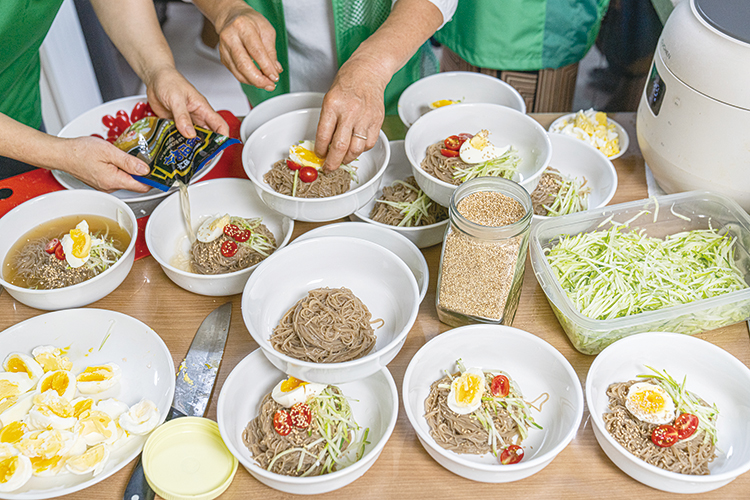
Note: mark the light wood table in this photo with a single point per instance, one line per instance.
(404, 469)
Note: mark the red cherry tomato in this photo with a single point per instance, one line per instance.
(301, 415)
(231, 230)
(51, 245)
(686, 425)
(465, 137)
(122, 123)
(229, 248)
(453, 143)
(108, 121)
(97, 135)
(511, 455)
(243, 235)
(500, 386)
(149, 111)
(292, 165)
(282, 422)
(59, 252)
(308, 174)
(664, 436)
(111, 140)
(449, 153)
(139, 111)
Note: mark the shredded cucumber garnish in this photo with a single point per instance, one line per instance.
(257, 241)
(294, 183)
(504, 166)
(102, 254)
(571, 197)
(412, 211)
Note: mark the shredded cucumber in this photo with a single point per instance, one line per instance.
(412, 211)
(504, 166)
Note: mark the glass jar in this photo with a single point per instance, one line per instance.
(484, 252)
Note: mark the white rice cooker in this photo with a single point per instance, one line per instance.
(693, 120)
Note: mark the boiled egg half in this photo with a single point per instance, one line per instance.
(95, 379)
(479, 149)
(141, 418)
(292, 390)
(51, 358)
(650, 403)
(77, 245)
(304, 154)
(15, 469)
(212, 228)
(18, 409)
(61, 381)
(466, 391)
(14, 384)
(51, 411)
(92, 460)
(17, 362)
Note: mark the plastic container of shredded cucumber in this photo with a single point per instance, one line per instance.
(599, 303)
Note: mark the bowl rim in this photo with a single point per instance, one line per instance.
(599, 423)
(375, 452)
(71, 192)
(206, 277)
(622, 134)
(493, 468)
(291, 96)
(267, 189)
(364, 360)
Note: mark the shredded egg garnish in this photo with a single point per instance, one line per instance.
(77, 245)
(592, 127)
(290, 391)
(650, 403)
(304, 154)
(466, 391)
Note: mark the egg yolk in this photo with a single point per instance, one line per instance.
(442, 102)
(16, 365)
(41, 464)
(90, 458)
(648, 401)
(13, 432)
(58, 409)
(291, 383)
(306, 155)
(81, 243)
(8, 389)
(479, 141)
(95, 374)
(82, 406)
(96, 421)
(467, 388)
(8, 467)
(50, 362)
(58, 382)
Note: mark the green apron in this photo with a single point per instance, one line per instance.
(23, 26)
(354, 21)
(523, 35)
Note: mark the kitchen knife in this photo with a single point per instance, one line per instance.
(195, 381)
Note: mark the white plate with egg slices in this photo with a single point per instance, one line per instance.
(559, 127)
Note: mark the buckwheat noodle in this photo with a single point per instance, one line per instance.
(281, 180)
(206, 258)
(43, 271)
(441, 166)
(399, 193)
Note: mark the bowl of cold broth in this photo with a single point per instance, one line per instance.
(66, 249)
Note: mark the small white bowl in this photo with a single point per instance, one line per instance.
(377, 276)
(712, 373)
(622, 134)
(465, 86)
(399, 169)
(391, 240)
(166, 234)
(506, 126)
(47, 207)
(374, 402)
(534, 364)
(277, 106)
(577, 159)
(270, 143)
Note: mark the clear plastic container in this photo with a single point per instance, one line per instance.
(705, 210)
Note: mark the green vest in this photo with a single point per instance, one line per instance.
(354, 21)
(523, 35)
(23, 26)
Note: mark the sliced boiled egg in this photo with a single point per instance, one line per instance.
(95, 379)
(96, 427)
(13, 432)
(92, 460)
(18, 410)
(650, 403)
(479, 149)
(212, 228)
(81, 405)
(291, 391)
(14, 384)
(112, 407)
(442, 103)
(15, 469)
(77, 245)
(17, 362)
(51, 358)
(466, 391)
(141, 418)
(61, 381)
(304, 154)
(51, 411)
(47, 450)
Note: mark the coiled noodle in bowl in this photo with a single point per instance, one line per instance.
(282, 180)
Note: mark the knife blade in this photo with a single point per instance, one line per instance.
(195, 380)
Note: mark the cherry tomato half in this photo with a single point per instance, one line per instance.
(449, 153)
(686, 425)
(122, 123)
(308, 174)
(293, 165)
(301, 415)
(500, 386)
(453, 143)
(108, 121)
(51, 245)
(664, 436)
(231, 230)
(282, 422)
(511, 455)
(243, 235)
(229, 248)
(59, 252)
(465, 137)
(139, 111)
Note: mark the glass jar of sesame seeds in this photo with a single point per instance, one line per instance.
(484, 252)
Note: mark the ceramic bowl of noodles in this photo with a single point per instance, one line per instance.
(492, 403)
(454, 87)
(276, 106)
(279, 158)
(331, 309)
(453, 144)
(233, 232)
(691, 435)
(245, 414)
(66, 249)
(403, 207)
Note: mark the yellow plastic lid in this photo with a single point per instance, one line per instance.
(186, 459)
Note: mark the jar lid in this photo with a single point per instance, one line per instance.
(186, 459)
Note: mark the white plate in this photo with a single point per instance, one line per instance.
(96, 336)
(622, 134)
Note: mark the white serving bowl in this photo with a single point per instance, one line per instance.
(270, 143)
(277, 106)
(534, 364)
(622, 134)
(465, 86)
(399, 169)
(47, 207)
(166, 234)
(712, 373)
(391, 240)
(377, 276)
(374, 402)
(506, 126)
(577, 159)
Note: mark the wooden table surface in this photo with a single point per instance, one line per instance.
(404, 469)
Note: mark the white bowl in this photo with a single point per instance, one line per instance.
(534, 364)
(622, 135)
(89, 123)
(94, 337)
(399, 169)
(50, 206)
(166, 234)
(506, 126)
(377, 276)
(712, 373)
(465, 86)
(374, 402)
(577, 159)
(270, 143)
(391, 240)
(277, 106)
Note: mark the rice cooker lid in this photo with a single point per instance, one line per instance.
(730, 17)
